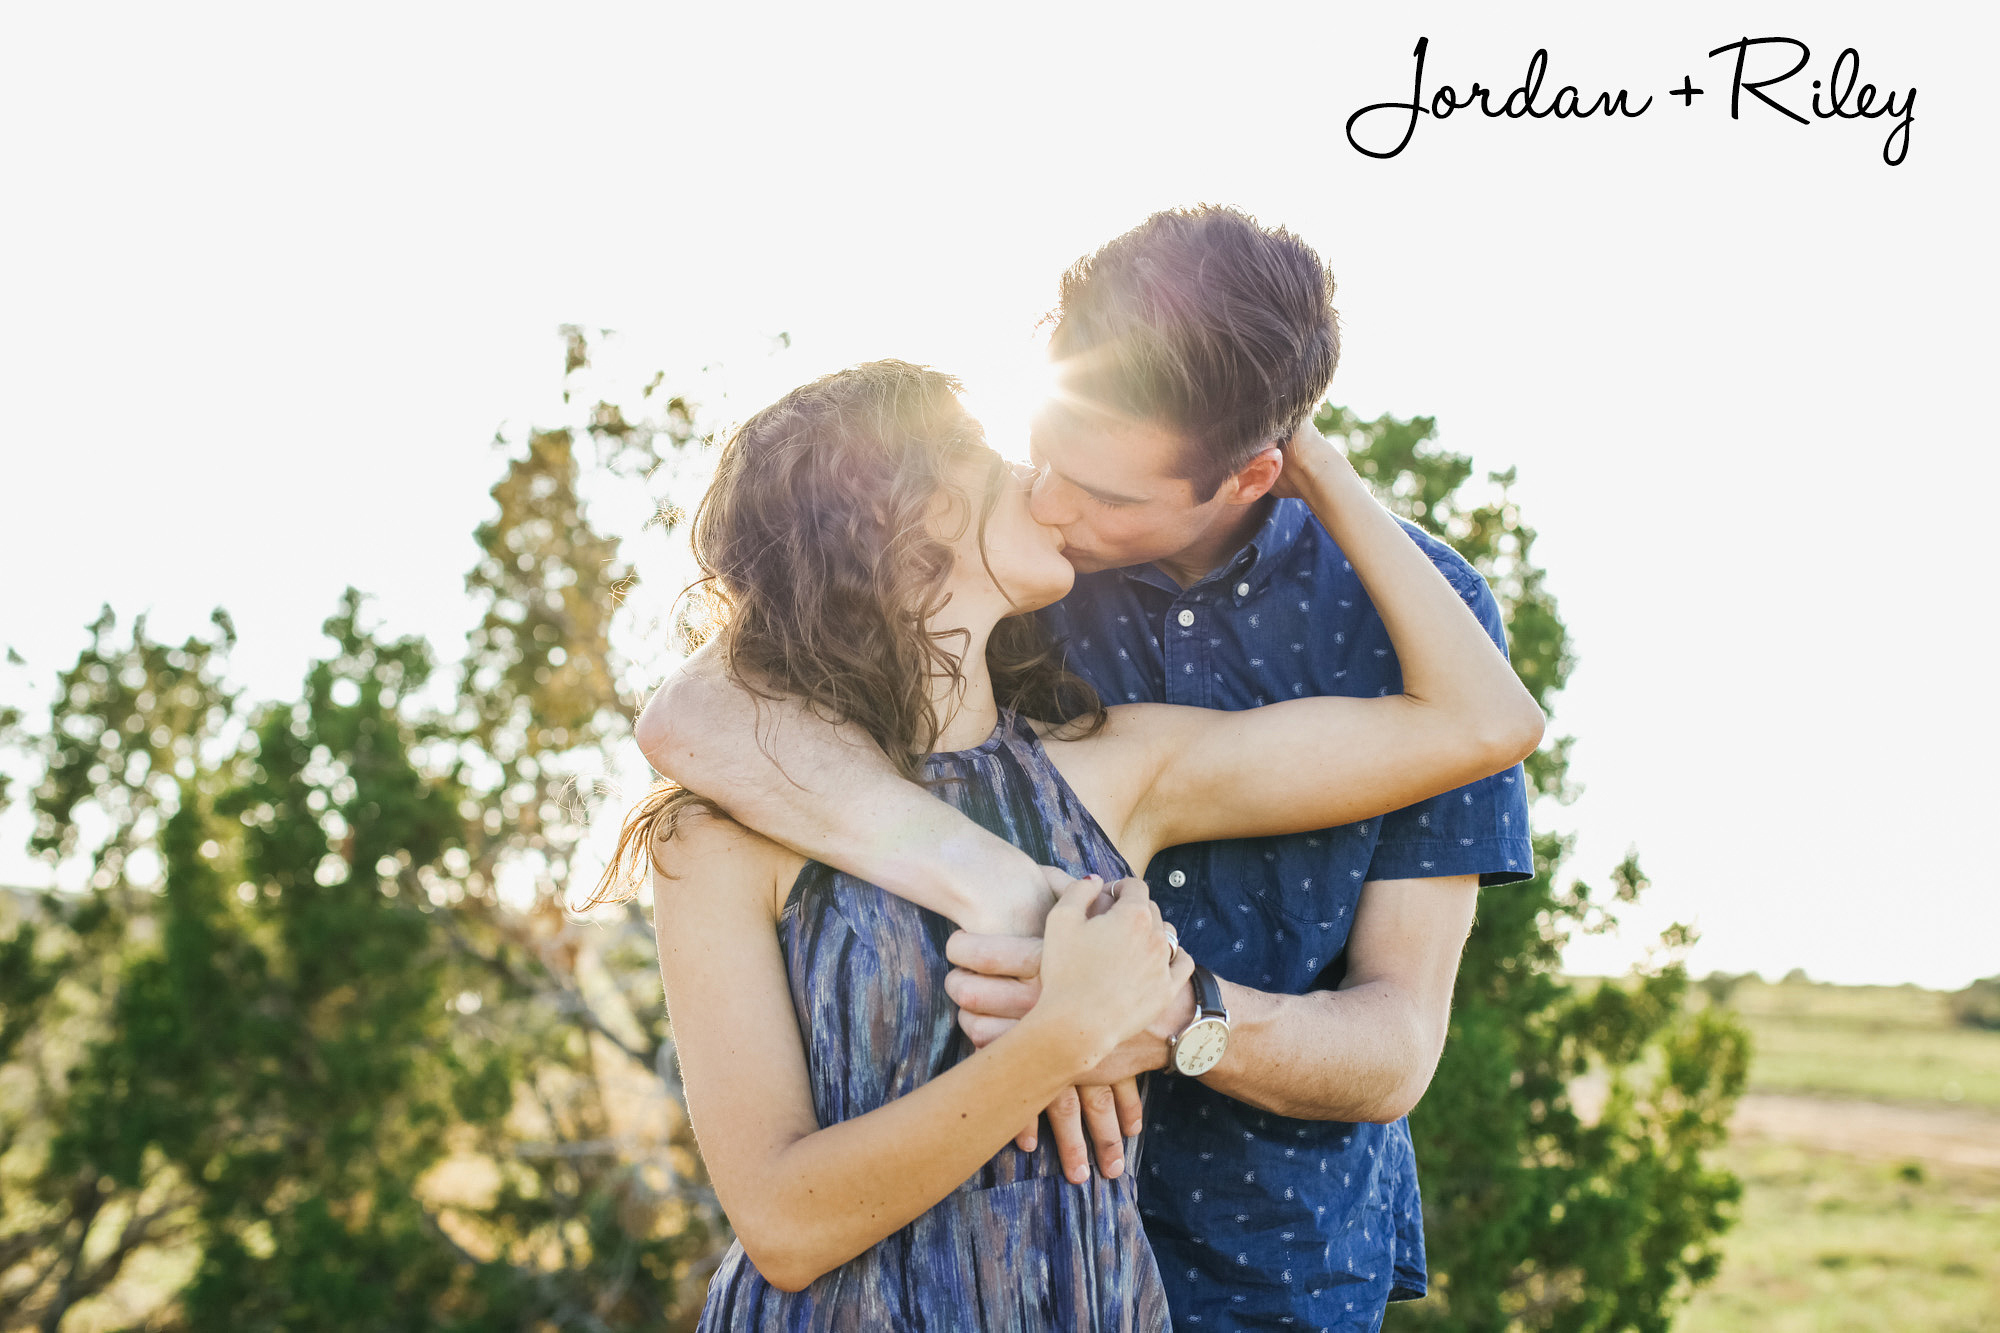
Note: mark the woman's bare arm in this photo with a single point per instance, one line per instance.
(1194, 774)
(803, 1199)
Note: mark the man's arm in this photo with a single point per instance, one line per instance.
(1363, 1052)
(1367, 1050)
(828, 792)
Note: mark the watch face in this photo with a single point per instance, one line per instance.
(1201, 1046)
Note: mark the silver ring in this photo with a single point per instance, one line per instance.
(1173, 942)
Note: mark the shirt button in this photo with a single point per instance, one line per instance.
(1177, 878)
(1242, 590)
(1186, 618)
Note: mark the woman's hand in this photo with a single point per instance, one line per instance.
(997, 981)
(1104, 977)
(1308, 454)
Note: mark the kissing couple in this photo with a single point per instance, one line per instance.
(953, 1064)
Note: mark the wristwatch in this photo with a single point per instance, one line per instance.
(1195, 1049)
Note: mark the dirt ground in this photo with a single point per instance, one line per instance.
(1945, 1134)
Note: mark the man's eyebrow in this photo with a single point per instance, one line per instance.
(1109, 497)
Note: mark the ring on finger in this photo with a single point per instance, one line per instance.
(1173, 941)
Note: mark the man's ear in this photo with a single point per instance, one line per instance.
(1255, 477)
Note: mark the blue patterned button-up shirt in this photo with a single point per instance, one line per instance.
(1258, 1220)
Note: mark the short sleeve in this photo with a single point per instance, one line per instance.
(1478, 829)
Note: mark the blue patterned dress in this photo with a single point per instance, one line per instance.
(1016, 1247)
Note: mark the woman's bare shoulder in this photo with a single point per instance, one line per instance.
(713, 856)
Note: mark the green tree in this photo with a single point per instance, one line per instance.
(1977, 1006)
(598, 1158)
(319, 1026)
(1538, 1215)
(127, 729)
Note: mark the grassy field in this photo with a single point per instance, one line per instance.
(1831, 1243)
(1894, 1232)
(1895, 1043)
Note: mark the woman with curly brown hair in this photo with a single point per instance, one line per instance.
(868, 554)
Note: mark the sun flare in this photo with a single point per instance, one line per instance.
(1005, 394)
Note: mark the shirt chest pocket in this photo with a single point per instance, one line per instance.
(1280, 905)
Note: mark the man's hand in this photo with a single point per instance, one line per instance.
(1017, 906)
(995, 981)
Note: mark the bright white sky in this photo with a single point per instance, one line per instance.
(271, 277)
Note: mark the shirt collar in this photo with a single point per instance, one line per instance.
(1251, 567)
